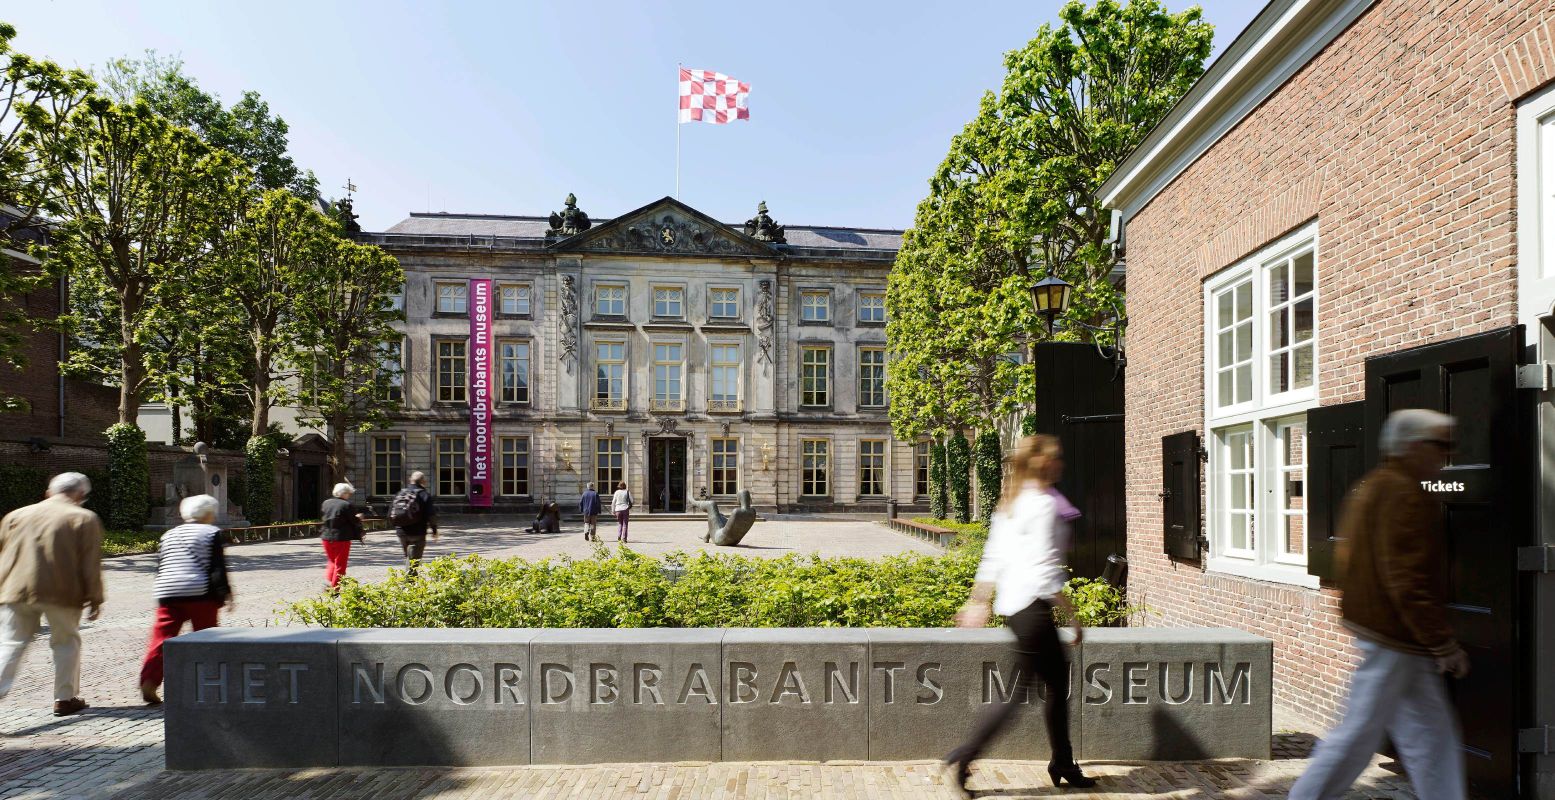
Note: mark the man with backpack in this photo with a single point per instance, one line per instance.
(413, 515)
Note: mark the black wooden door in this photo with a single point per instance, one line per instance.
(1180, 495)
(1486, 516)
(308, 502)
(1080, 400)
(667, 475)
(1336, 447)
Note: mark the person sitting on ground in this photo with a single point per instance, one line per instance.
(549, 520)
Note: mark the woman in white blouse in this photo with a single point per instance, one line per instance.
(1023, 572)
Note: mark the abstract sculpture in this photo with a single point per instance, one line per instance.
(727, 531)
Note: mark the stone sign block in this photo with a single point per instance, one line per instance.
(927, 686)
(633, 695)
(251, 697)
(1168, 694)
(430, 697)
(795, 694)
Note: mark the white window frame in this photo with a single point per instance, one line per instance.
(672, 367)
(612, 403)
(508, 450)
(601, 290)
(859, 313)
(524, 296)
(1263, 414)
(712, 302)
(822, 309)
(527, 372)
(718, 462)
(885, 472)
(463, 295)
(1536, 214)
(871, 348)
(716, 369)
(396, 479)
(674, 302)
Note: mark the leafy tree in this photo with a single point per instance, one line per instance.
(958, 470)
(990, 473)
(938, 494)
(129, 477)
(1016, 197)
(247, 129)
(33, 94)
(343, 326)
(136, 194)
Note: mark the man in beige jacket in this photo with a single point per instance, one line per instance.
(51, 557)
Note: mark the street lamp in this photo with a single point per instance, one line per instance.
(1051, 295)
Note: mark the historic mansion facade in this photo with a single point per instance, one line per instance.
(663, 348)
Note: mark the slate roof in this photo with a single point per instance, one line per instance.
(805, 236)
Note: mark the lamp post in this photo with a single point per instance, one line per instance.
(1051, 296)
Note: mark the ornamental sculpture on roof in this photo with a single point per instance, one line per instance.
(571, 221)
(762, 227)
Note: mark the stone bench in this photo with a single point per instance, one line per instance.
(269, 697)
(929, 533)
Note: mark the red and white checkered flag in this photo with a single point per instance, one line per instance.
(712, 97)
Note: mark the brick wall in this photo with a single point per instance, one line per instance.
(1398, 139)
(38, 381)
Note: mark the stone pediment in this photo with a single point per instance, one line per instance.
(666, 227)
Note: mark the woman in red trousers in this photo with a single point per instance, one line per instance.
(191, 584)
(342, 525)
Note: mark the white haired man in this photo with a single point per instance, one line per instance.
(1392, 566)
(413, 514)
(51, 556)
(191, 584)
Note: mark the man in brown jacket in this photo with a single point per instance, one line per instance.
(1393, 561)
(51, 556)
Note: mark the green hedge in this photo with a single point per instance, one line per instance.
(129, 504)
(123, 543)
(958, 465)
(258, 499)
(939, 498)
(990, 473)
(23, 486)
(623, 589)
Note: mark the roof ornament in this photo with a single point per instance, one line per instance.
(763, 228)
(570, 222)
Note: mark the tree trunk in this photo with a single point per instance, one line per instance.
(261, 394)
(337, 449)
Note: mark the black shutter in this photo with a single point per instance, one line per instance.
(1180, 494)
(1336, 449)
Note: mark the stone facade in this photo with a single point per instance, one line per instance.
(1393, 148)
(665, 295)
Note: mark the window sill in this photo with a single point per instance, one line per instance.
(516, 316)
(1273, 573)
(450, 315)
(869, 324)
(817, 322)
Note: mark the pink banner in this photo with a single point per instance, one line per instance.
(481, 402)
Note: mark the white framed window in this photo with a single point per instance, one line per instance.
(451, 363)
(609, 463)
(668, 369)
(871, 307)
(388, 465)
(725, 467)
(871, 377)
(451, 466)
(453, 298)
(725, 378)
(871, 467)
(397, 299)
(815, 376)
(669, 301)
(815, 306)
(514, 299)
(815, 470)
(610, 300)
(610, 376)
(723, 303)
(1261, 377)
(515, 466)
(514, 358)
(391, 370)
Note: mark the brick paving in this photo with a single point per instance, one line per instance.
(114, 749)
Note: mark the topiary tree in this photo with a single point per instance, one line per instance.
(938, 497)
(259, 480)
(990, 473)
(128, 478)
(958, 463)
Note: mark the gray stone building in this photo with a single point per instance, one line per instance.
(683, 355)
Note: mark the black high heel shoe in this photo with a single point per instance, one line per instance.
(962, 771)
(1070, 772)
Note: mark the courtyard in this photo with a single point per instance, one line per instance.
(115, 748)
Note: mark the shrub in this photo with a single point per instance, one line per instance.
(624, 589)
(21, 486)
(1028, 425)
(958, 465)
(990, 473)
(128, 478)
(120, 543)
(258, 499)
(938, 496)
(1097, 603)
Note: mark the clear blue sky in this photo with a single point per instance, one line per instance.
(506, 107)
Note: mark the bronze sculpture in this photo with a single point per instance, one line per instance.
(727, 531)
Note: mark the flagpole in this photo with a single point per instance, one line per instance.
(678, 68)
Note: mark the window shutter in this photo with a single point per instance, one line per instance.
(1336, 447)
(1180, 494)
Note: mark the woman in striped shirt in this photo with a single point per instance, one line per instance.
(191, 584)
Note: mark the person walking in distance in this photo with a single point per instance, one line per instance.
(1023, 571)
(414, 516)
(191, 584)
(591, 508)
(621, 503)
(1392, 560)
(340, 526)
(51, 556)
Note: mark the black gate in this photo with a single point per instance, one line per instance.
(307, 491)
(1080, 400)
(1486, 516)
(667, 474)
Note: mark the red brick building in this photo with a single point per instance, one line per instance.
(1355, 193)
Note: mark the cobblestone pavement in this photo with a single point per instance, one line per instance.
(114, 749)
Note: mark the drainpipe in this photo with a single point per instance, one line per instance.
(60, 373)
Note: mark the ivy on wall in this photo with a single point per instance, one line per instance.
(1028, 425)
(129, 475)
(990, 473)
(958, 462)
